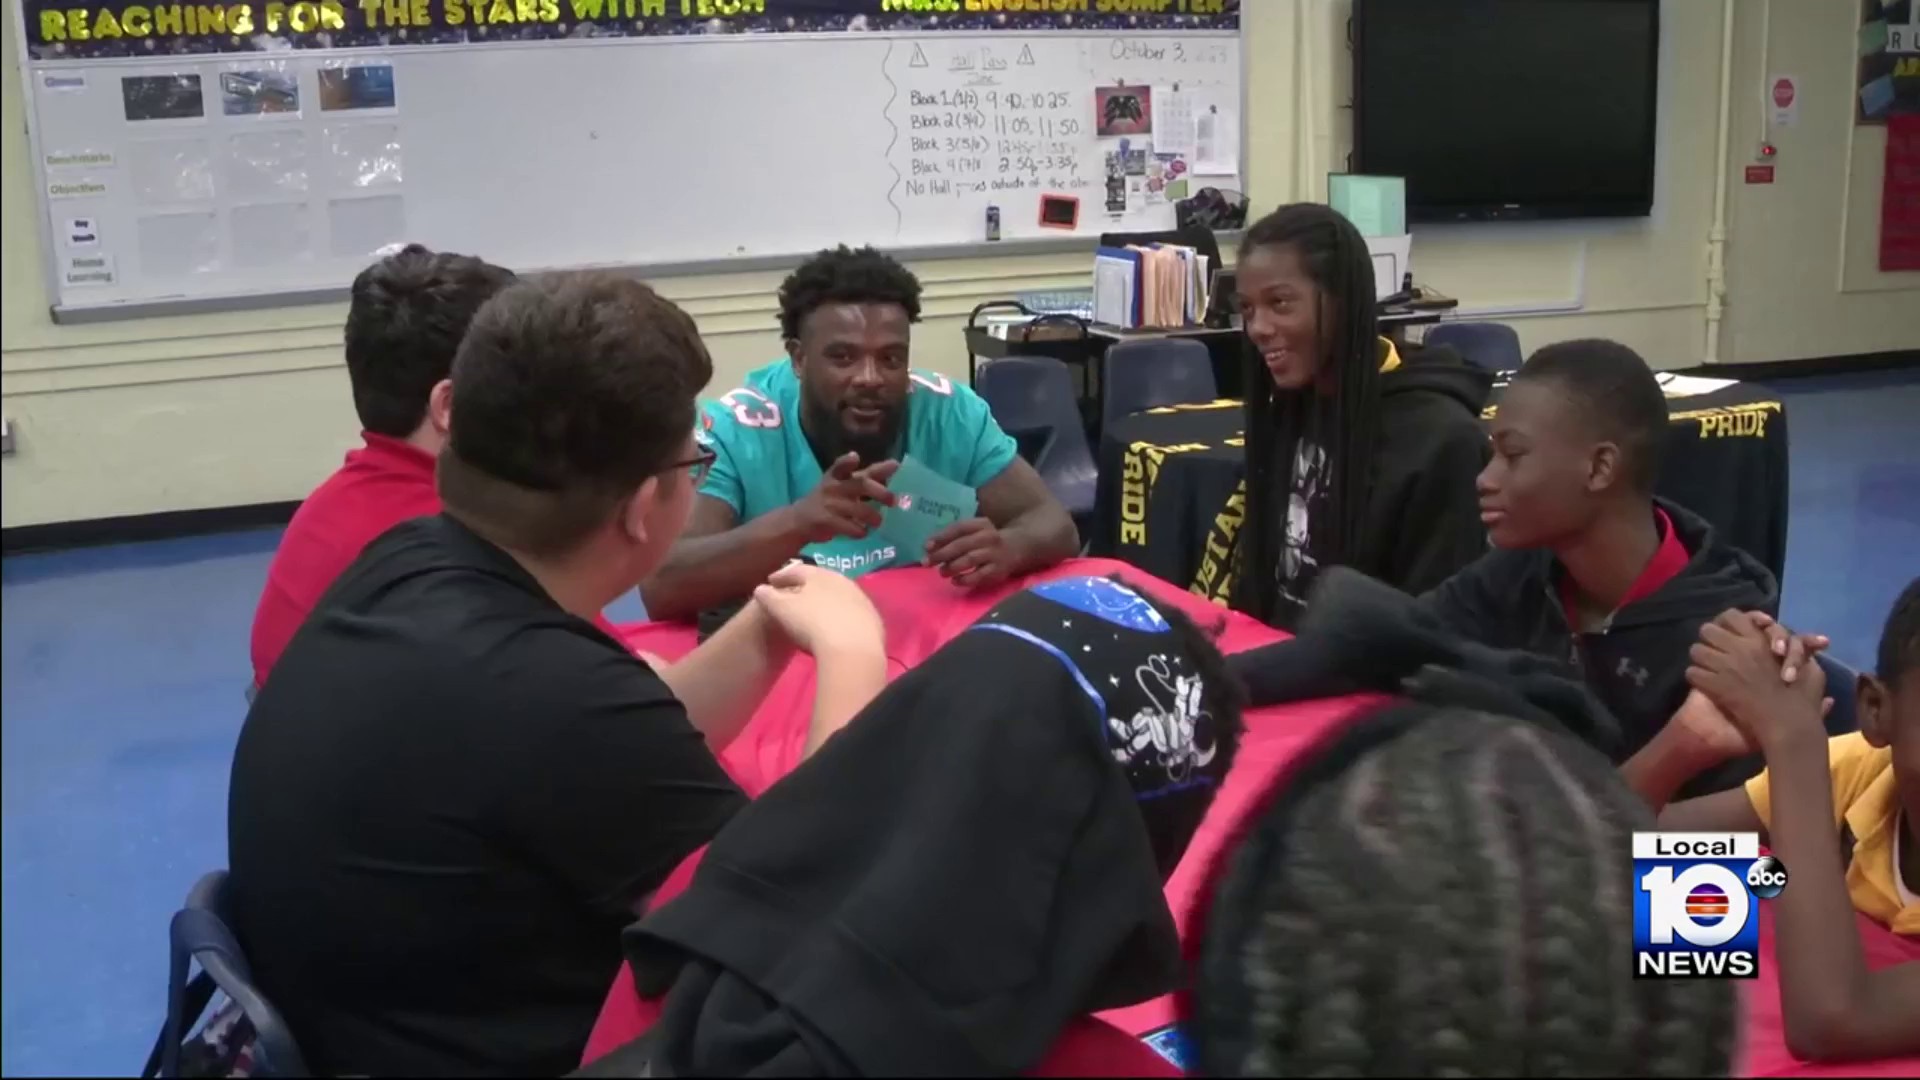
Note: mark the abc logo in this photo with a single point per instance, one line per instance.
(1705, 905)
(1767, 877)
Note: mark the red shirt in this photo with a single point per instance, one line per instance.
(380, 485)
(1668, 560)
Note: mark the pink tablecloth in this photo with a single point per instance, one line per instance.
(1765, 1042)
(922, 611)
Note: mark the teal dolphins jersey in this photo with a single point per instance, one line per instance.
(763, 461)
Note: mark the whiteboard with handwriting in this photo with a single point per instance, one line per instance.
(595, 153)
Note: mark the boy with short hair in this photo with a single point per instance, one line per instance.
(1591, 570)
(1842, 813)
(408, 314)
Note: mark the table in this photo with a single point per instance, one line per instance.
(922, 611)
(1170, 499)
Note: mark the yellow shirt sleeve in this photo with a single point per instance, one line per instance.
(1851, 761)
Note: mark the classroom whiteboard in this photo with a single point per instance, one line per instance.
(168, 179)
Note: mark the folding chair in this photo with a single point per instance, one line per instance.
(1032, 398)
(1485, 345)
(1151, 372)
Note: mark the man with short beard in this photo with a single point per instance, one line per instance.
(804, 450)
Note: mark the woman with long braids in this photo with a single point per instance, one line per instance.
(1358, 453)
(1444, 890)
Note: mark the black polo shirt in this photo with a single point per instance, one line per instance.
(445, 802)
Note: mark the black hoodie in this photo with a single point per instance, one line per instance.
(1637, 664)
(1423, 519)
(1636, 667)
(974, 861)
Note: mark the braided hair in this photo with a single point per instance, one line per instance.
(1444, 892)
(1334, 256)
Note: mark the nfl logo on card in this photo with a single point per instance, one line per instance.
(1696, 904)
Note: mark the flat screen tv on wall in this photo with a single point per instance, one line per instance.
(1508, 109)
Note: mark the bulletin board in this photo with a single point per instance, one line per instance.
(199, 156)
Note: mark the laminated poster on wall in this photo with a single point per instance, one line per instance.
(267, 164)
(1156, 182)
(361, 156)
(178, 245)
(270, 235)
(148, 98)
(1173, 121)
(1216, 136)
(1887, 42)
(1783, 100)
(356, 87)
(358, 228)
(170, 171)
(1122, 110)
(267, 89)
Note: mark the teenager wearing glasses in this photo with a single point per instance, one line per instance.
(456, 790)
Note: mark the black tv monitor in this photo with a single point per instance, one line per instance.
(1508, 109)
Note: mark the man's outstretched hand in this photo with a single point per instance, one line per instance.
(847, 500)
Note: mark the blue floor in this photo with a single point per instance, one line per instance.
(124, 670)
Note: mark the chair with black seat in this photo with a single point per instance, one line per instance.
(1843, 685)
(1150, 372)
(1485, 345)
(1032, 400)
(202, 933)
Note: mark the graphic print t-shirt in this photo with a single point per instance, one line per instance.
(763, 461)
(1297, 565)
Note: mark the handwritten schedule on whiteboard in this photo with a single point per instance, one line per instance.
(989, 118)
(980, 122)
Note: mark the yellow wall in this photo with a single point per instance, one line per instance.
(1642, 281)
(1803, 266)
(201, 411)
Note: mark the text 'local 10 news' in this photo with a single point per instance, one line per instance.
(1696, 904)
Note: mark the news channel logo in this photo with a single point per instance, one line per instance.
(1696, 912)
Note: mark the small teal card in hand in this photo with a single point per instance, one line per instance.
(924, 503)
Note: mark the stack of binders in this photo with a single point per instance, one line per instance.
(1157, 286)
